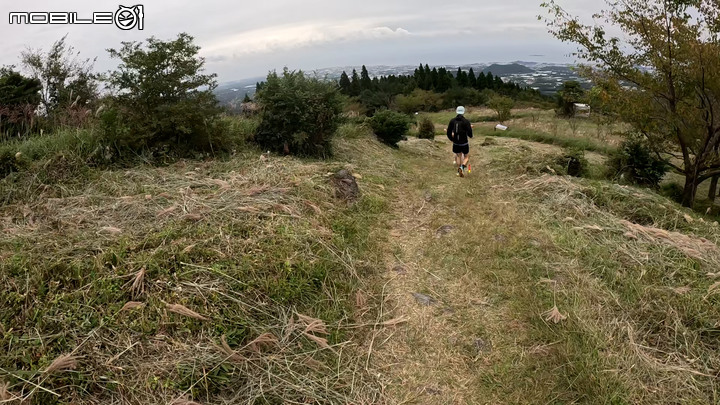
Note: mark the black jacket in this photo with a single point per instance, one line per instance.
(459, 130)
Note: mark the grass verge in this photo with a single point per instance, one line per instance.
(217, 282)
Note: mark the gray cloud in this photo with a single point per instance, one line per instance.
(248, 39)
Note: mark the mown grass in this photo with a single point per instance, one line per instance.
(536, 136)
(636, 313)
(220, 281)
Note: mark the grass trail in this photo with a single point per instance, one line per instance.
(519, 288)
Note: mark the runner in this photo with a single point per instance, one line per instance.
(459, 130)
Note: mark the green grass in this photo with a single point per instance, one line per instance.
(637, 311)
(563, 141)
(246, 243)
(251, 242)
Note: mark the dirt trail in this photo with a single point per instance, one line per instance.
(447, 277)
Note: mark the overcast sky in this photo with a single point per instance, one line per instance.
(242, 39)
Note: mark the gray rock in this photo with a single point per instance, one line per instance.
(483, 346)
(423, 299)
(400, 269)
(428, 196)
(346, 186)
(444, 230)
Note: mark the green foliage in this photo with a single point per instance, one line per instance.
(19, 99)
(673, 191)
(419, 100)
(463, 96)
(573, 163)
(663, 50)
(162, 98)
(635, 162)
(10, 162)
(299, 114)
(66, 79)
(390, 126)
(426, 129)
(571, 93)
(502, 106)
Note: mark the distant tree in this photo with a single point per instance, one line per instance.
(462, 78)
(365, 81)
(502, 106)
(472, 79)
(345, 84)
(490, 81)
(663, 73)
(161, 95)
(355, 87)
(570, 93)
(481, 81)
(247, 98)
(65, 78)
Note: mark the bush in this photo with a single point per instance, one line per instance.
(463, 96)
(419, 100)
(426, 129)
(502, 106)
(633, 161)
(573, 163)
(10, 162)
(299, 114)
(390, 126)
(163, 100)
(673, 191)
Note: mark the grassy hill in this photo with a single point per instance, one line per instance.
(248, 280)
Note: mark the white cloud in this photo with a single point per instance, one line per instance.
(279, 38)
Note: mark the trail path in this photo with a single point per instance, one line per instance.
(452, 273)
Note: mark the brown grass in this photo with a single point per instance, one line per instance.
(184, 311)
(62, 363)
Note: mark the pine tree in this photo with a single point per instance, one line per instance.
(365, 82)
(345, 85)
(472, 80)
(434, 79)
(481, 81)
(247, 99)
(355, 84)
(490, 81)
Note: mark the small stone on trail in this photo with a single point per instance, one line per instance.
(483, 346)
(400, 269)
(423, 299)
(428, 196)
(444, 230)
(346, 186)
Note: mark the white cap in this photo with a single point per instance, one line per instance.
(460, 110)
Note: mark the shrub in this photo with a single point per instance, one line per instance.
(673, 191)
(426, 129)
(419, 100)
(10, 162)
(299, 114)
(634, 162)
(463, 96)
(502, 106)
(573, 163)
(162, 98)
(390, 126)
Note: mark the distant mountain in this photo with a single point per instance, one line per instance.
(235, 91)
(510, 69)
